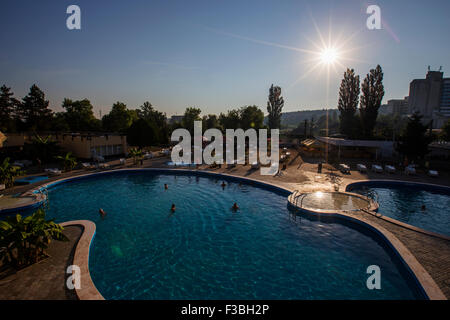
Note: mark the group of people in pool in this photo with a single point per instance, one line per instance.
(234, 208)
(173, 208)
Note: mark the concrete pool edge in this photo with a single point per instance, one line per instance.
(87, 290)
(373, 205)
(422, 277)
(395, 221)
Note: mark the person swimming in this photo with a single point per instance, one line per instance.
(423, 207)
(173, 208)
(102, 213)
(166, 186)
(223, 184)
(235, 207)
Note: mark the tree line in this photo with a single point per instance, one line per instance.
(144, 126)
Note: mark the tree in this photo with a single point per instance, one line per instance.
(34, 112)
(43, 148)
(79, 115)
(211, 121)
(8, 105)
(231, 120)
(414, 141)
(155, 119)
(348, 102)
(190, 115)
(23, 241)
(69, 162)
(136, 154)
(149, 113)
(59, 122)
(251, 117)
(274, 107)
(142, 134)
(8, 173)
(372, 94)
(119, 119)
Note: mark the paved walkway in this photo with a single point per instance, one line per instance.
(44, 280)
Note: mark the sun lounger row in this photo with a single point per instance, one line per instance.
(409, 170)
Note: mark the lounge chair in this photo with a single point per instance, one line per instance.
(377, 168)
(122, 161)
(2, 187)
(410, 170)
(18, 164)
(361, 167)
(148, 155)
(390, 169)
(86, 165)
(104, 166)
(53, 171)
(433, 173)
(344, 168)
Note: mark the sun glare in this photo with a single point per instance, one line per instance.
(329, 55)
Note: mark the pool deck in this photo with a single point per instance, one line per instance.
(46, 279)
(431, 252)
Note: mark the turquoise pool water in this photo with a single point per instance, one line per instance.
(206, 251)
(30, 180)
(404, 203)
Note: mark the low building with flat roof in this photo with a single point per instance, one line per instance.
(82, 145)
(345, 148)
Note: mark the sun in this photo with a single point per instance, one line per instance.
(329, 55)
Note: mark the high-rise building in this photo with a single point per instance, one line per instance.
(398, 106)
(431, 98)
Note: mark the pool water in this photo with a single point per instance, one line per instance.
(30, 180)
(404, 203)
(206, 251)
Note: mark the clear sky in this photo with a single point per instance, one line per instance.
(214, 54)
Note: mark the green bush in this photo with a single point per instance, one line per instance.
(23, 241)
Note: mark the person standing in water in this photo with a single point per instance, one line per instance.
(102, 213)
(235, 207)
(166, 186)
(173, 208)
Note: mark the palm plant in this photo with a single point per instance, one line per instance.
(69, 161)
(8, 173)
(23, 241)
(43, 148)
(136, 154)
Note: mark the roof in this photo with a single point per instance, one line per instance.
(355, 143)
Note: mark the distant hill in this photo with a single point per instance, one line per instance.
(293, 119)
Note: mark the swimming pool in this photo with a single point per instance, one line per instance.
(205, 251)
(30, 180)
(403, 201)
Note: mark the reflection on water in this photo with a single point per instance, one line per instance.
(333, 201)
